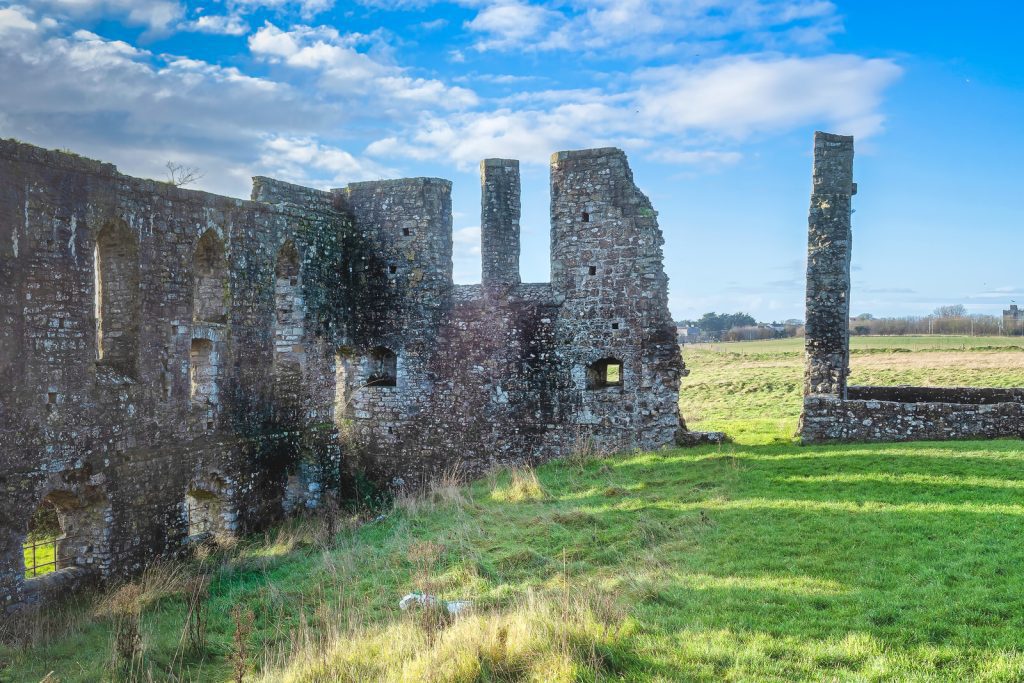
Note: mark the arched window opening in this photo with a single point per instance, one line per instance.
(383, 368)
(206, 515)
(40, 546)
(202, 514)
(116, 280)
(63, 533)
(203, 374)
(210, 287)
(604, 373)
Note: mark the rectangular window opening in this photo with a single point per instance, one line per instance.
(613, 374)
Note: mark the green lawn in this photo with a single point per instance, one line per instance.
(754, 390)
(758, 560)
(38, 559)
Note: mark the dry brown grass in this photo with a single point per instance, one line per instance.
(158, 581)
(446, 491)
(926, 360)
(522, 485)
(549, 637)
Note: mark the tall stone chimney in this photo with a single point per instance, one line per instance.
(499, 222)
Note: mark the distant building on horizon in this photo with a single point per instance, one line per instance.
(1013, 319)
(688, 333)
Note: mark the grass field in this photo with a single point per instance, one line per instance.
(38, 559)
(758, 560)
(753, 390)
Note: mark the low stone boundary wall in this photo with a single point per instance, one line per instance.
(830, 419)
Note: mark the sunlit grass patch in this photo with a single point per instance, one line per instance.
(40, 556)
(519, 485)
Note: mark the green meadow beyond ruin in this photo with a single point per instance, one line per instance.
(756, 560)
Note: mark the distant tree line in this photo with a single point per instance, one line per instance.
(741, 327)
(952, 319)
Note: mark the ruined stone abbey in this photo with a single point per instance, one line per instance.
(175, 363)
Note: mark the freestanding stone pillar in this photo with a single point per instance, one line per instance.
(499, 222)
(829, 236)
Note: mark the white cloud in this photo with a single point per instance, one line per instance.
(737, 96)
(159, 16)
(668, 108)
(342, 68)
(12, 19)
(295, 157)
(113, 101)
(511, 23)
(218, 24)
(305, 8)
(645, 27)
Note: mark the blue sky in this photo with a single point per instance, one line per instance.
(715, 101)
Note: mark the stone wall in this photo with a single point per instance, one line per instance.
(176, 363)
(832, 419)
(833, 411)
(114, 412)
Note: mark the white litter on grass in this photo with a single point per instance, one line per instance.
(421, 600)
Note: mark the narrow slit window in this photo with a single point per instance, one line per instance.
(592, 270)
(116, 281)
(586, 217)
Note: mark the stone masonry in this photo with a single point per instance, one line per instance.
(175, 364)
(834, 411)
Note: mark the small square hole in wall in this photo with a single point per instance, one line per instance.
(615, 326)
(592, 270)
(294, 281)
(406, 232)
(209, 426)
(586, 217)
(392, 269)
(391, 430)
(51, 398)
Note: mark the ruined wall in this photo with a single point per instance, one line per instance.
(105, 409)
(829, 237)
(498, 373)
(830, 419)
(833, 411)
(177, 364)
(607, 275)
